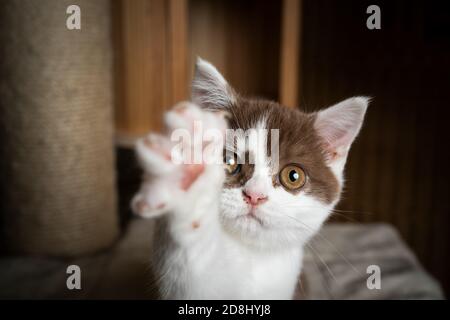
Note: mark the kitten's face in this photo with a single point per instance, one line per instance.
(274, 203)
(283, 202)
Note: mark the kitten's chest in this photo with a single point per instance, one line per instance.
(221, 268)
(264, 275)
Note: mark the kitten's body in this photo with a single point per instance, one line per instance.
(241, 235)
(209, 265)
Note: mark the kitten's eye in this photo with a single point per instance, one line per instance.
(292, 177)
(231, 164)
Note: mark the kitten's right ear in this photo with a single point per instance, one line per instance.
(209, 88)
(339, 125)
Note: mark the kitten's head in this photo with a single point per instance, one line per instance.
(274, 203)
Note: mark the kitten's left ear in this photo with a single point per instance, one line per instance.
(209, 88)
(339, 125)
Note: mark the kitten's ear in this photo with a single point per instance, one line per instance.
(339, 125)
(209, 88)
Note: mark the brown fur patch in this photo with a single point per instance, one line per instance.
(240, 178)
(299, 144)
(195, 224)
(301, 291)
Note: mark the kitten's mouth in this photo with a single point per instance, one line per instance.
(252, 215)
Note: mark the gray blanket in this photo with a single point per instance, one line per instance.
(335, 267)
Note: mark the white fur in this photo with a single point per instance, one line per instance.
(208, 80)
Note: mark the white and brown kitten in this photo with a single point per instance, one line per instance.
(237, 230)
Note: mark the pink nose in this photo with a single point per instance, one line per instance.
(254, 198)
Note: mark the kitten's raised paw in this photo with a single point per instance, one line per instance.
(190, 174)
(154, 198)
(180, 165)
(154, 154)
(186, 115)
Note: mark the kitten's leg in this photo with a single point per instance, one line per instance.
(189, 241)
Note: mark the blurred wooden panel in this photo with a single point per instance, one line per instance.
(158, 41)
(152, 75)
(290, 52)
(178, 51)
(207, 34)
(242, 39)
(398, 168)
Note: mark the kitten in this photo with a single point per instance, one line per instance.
(237, 230)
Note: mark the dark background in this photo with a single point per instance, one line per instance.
(398, 168)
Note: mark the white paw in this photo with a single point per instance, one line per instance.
(171, 176)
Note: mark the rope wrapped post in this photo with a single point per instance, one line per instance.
(57, 195)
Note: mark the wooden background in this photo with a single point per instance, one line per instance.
(398, 169)
(399, 166)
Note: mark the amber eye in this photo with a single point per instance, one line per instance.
(292, 177)
(231, 164)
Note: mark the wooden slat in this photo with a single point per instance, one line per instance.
(207, 34)
(178, 26)
(152, 63)
(241, 38)
(290, 52)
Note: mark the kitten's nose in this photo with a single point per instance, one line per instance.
(254, 198)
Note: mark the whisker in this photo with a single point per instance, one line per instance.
(327, 240)
(302, 288)
(343, 216)
(334, 210)
(323, 280)
(352, 211)
(324, 263)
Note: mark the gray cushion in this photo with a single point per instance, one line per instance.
(334, 268)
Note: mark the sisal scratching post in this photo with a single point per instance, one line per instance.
(57, 193)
